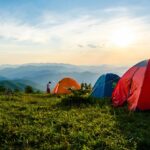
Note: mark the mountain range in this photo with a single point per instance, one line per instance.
(37, 75)
(17, 84)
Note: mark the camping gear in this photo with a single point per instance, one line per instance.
(134, 87)
(104, 86)
(64, 86)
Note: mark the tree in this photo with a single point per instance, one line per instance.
(16, 90)
(29, 89)
(85, 86)
(90, 87)
(2, 89)
(37, 91)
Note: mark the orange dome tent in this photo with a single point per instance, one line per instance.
(62, 87)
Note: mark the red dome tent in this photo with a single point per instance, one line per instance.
(134, 87)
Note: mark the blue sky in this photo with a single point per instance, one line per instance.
(72, 31)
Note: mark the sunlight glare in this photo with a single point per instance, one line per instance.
(123, 37)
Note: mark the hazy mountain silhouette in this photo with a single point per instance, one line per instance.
(2, 78)
(40, 74)
(17, 84)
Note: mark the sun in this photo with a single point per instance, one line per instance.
(123, 37)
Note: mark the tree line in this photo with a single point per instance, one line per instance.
(27, 89)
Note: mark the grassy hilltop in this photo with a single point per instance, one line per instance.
(40, 121)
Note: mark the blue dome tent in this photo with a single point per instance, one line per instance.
(105, 85)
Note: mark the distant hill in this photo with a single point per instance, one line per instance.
(17, 84)
(40, 74)
(2, 78)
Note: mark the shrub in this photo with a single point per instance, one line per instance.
(76, 100)
(85, 90)
(29, 89)
(38, 92)
(2, 89)
(78, 97)
(16, 90)
(85, 86)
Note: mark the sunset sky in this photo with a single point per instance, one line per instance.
(89, 32)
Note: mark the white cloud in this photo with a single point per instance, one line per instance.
(82, 29)
(116, 9)
(75, 34)
(21, 32)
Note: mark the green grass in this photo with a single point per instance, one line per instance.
(48, 122)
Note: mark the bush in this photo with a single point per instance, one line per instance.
(29, 89)
(76, 100)
(79, 97)
(85, 86)
(85, 90)
(2, 89)
(16, 90)
(38, 92)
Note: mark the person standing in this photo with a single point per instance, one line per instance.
(48, 87)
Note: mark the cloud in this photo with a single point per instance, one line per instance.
(82, 28)
(21, 32)
(92, 46)
(116, 9)
(81, 46)
(88, 33)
